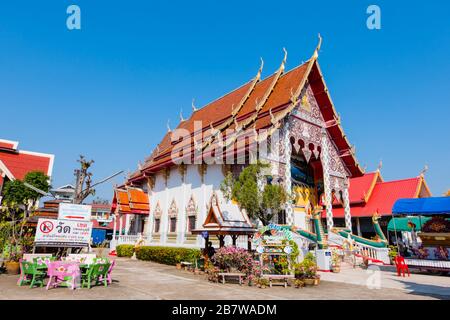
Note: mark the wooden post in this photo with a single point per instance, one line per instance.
(234, 238)
(249, 242)
(221, 240)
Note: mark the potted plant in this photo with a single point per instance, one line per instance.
(335, 262)
(12, 254)
(298, 283)
(262, 283)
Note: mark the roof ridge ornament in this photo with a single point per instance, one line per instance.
(425, 169)
(284, 60)
(181, 115)
(194, 108)
(258, 75)
(316, 51)
(380, 165)
(168, 126)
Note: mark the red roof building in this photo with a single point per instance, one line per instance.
(370, 193)
(15, 163)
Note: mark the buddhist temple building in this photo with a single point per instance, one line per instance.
(15, 163)
(370, 193)
(287, 120)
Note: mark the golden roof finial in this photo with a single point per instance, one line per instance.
(193, 106)
(284, 59)
(380, 165)
(258, 75)
(425, 169)
(181, 115)
(316, 52)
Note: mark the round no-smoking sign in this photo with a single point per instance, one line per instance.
(46, 226)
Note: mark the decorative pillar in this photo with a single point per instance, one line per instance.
(287, 176)
(325, 157)
(346, 203)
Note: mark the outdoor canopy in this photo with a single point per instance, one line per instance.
(422, 206)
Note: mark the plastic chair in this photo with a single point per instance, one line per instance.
(401, 266)
(31, 274)
(109, 276)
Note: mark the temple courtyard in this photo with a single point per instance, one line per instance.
(147, 280)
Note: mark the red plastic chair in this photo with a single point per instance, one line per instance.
(401, 265)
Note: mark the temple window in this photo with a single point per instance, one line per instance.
(191, 223)
(157, 224)
(173, 225)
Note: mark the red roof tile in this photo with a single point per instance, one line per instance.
(19, 163)
(382, 198)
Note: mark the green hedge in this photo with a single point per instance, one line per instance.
(167, 255)
(125, 250)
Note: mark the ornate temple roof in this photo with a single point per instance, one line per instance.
(130, 200)
(258, 104)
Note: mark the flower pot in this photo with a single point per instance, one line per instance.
(309, 282)
(336, 269)
(316, 282)
(179, 266)
(12, 267)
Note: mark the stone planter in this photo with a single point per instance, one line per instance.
(316, 281)
(309, 282)
(12, 267)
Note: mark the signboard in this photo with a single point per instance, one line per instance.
(62, 233)
(70, 211)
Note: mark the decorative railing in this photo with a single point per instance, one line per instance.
(132, 239)
(361, 249)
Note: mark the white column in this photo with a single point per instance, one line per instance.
(127, 224)
(346, 203)
(115, 226)
(358, 227)
(325, 157)
(120, 225)
(181, 232)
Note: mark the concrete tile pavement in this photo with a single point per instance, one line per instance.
(146, 280)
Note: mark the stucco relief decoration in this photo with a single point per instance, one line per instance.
(173, 209)
(158, 212)
(309, 134)
(191, 208)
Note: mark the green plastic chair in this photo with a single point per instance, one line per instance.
(101, 273)
(93, 273)
(32, 274)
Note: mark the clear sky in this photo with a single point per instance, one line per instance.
(107, 90)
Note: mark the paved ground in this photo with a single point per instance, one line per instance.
(147, 280)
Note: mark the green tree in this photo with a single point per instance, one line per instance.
(259, 199)
(18, 202)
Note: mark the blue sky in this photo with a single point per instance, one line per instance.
(107, 90)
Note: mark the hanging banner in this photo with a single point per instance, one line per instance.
(62, 233)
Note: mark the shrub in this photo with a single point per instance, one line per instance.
(232, 257)
(167, 255)
(125, 250)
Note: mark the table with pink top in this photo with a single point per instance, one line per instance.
(63, 272)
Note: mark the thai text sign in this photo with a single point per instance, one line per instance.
(62, 233)
(72, 211)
